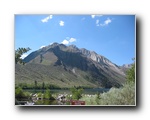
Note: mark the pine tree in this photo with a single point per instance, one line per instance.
(18, 53)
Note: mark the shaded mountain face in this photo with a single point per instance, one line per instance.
(67, 66)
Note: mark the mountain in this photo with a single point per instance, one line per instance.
(125, 67)
(68, 66)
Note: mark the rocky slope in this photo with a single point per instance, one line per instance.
(67, 66)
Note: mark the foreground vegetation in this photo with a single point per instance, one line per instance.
(116, 96)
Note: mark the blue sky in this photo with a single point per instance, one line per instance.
(112, 36)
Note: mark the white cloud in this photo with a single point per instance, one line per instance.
(70, 40)
(42, 46)
(51, 43)
(93, 16)
(50, 16)
(61, 23)
(47, 18)
(65, 42)
(106, 22)
(23, 56)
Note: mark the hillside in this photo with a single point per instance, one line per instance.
(68, 66)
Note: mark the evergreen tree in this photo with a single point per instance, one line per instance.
(131, 74)
(18, 53)
(35, 83)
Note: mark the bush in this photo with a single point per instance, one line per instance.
(131, 74)
(115, 96)
(76, 93)
(48, 95)
(20, 94)
(121, 96)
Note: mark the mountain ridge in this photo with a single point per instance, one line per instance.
(72, 64)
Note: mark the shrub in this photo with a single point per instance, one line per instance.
(131, 74)
(76, 93)
(48, 95)
(20, 94)
(120, 96)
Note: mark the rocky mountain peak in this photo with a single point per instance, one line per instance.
(73, 48)
(54, 44)
(75, 64)
(127, 65)
(85, 52)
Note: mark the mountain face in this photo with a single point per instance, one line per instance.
(125, 67)
(67, 66)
